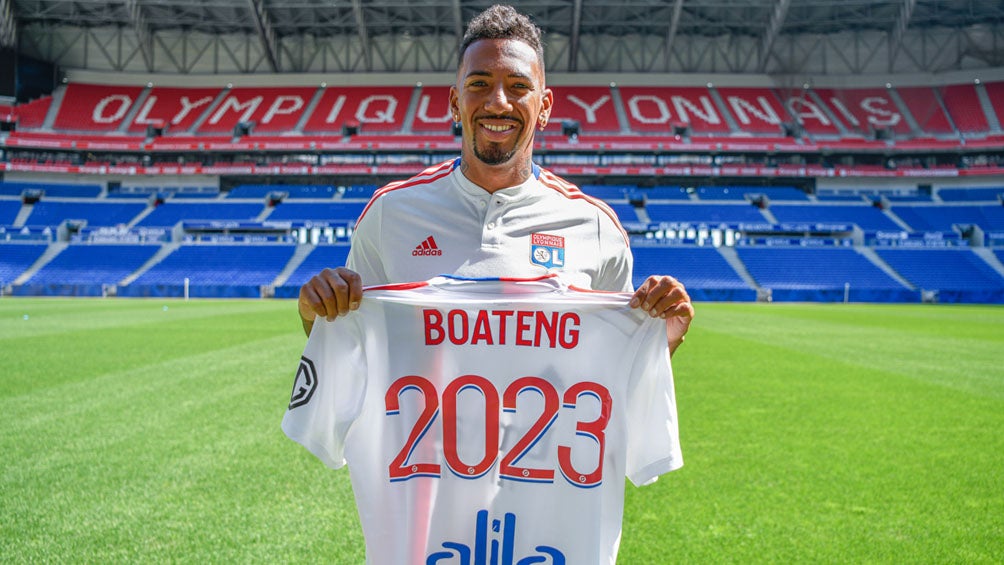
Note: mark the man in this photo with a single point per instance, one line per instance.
(492, 212)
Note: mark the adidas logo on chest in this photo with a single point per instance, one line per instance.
(427, 248)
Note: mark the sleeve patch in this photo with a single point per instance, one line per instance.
(305, 383)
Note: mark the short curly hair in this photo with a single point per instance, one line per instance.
(502, 22)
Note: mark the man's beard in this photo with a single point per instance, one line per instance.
(493, 154)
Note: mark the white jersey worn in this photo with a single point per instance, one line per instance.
(440, 223)
(489, 422)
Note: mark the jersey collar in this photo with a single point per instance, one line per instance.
(509, 193)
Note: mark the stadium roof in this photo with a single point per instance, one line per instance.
(583, 35)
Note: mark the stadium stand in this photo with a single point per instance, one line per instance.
(319, 258)
(922, 103)
(865, 110)
(821, 275)
(904, 198)
(173, 211)
(658, 109)
(189, 192)
(16, 258)
(756, 110)
(292, 191)
(86, 269)
(945, 218)
(215, 270)
(363, 191)
(704, 213)
(964, 107)
(957, 275)
(592, 107)
(992, 194)
(824, 196)
(809, 113)
(864, 216)
(267, 110)
(51, 189)
(432, 114)
(648, 132)
(317, 211)
(163, 192)
(173, 109)
(95, 107)
(369, 109)
(626, 213)
(664, 192)
(707, 275)
(104, 213)
(744, 192)
(9, 209)
(842, 118)
(995, 92)
(32, 114)
(610, 192)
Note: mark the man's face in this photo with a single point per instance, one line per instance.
(499, 98)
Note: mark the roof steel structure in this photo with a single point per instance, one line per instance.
(851, 37)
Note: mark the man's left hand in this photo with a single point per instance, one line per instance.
(664, 297)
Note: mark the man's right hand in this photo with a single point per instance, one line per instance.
(330, 293)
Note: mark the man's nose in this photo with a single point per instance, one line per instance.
(498, 101)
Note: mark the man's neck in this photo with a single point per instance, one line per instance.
(496, 177)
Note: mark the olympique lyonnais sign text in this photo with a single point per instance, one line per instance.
(384, 109)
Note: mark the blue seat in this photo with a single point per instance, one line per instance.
(15, 258)
(220, 265)
(96, 213)
(94, 264)
(172, 212)
(317, 211)
(322, 257)
(865, 216)
(704, 213)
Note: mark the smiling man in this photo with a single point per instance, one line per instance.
(493, 212)
(442, 404)
(499, 99)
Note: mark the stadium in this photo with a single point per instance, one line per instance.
(825, 177)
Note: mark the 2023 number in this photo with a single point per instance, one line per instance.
(403, 468)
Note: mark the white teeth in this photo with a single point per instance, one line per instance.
(496, 128)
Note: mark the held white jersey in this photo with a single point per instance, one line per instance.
(440, 223)
(489, 422)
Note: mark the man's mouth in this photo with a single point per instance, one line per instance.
(498, 127)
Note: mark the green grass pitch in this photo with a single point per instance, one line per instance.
(147, 431)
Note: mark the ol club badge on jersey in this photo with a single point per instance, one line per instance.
(547, 250)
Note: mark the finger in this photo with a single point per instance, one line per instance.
(653, 290)
(663, 306)
(309, 303)
(327, 301)
(355, 287)
(638, 300)
(682, 309)
(334, 280)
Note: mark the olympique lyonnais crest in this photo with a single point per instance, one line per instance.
(305, 383)
(547, 250)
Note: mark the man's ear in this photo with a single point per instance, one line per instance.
(547, 100)
(454, 104)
